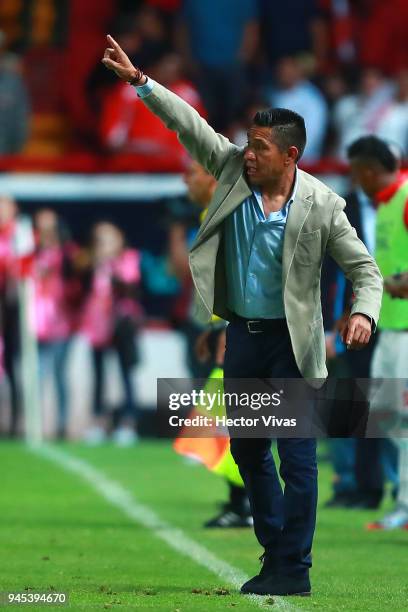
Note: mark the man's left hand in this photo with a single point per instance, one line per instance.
(356, 333)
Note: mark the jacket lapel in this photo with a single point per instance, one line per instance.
(298, 212)
(233, 198)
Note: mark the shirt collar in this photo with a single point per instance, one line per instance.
(258, 195)
(295, 186)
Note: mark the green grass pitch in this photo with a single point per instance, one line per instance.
(57, 533)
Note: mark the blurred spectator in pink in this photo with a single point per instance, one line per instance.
(55, 302)
(127, 125)
(9, 312)
(363, 112)
(294, 91)
(14, 104)
(220, 38)
(109, 318)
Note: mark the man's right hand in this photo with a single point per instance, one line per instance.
(116, 59)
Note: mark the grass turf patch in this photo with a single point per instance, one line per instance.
(58, 533)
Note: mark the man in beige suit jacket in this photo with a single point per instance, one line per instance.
(256, 262)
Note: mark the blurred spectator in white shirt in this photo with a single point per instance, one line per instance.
(294, 91)
(363, 112)
(393, 126)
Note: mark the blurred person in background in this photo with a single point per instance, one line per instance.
(127, 127)
(14, 103)
(183, 220)
(294, 91)
(376, 459)
(334, 87)
(334, 32)
(290, 28)
(393, 125)
(205, 357)
(375, 167)
(9, 308)
(152, 27)
(341, 450)
(109, 317)
(200, 188)
(143, 36)
(56, 299)
(361, 465)
(397, 286)
(380, 33)
(219, 39)
(362, 113)
(168, 6)
(238, 132)
(99, 83)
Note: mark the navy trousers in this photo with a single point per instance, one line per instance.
(284, 521)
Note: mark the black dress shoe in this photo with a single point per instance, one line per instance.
(340, 500)
(281, 585)
(231, 517)
(365, 501)
(268, 569)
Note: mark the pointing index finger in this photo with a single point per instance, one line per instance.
(113, 42)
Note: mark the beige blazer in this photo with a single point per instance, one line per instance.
(316, 225)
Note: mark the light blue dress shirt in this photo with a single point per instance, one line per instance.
(144, 90)
(253, 249)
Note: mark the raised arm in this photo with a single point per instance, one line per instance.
(207, 147)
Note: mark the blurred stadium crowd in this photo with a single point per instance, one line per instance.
(341, 64)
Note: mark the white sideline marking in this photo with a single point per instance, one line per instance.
(118, 496)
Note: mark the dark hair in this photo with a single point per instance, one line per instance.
(371, 149)
(288, 127)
